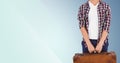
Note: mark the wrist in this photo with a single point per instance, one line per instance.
(101, 43)
(89, 44)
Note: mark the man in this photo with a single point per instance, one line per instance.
(94, 21)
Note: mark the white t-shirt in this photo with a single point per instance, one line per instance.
(93, 21)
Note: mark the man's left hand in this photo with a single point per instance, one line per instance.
(99, 47)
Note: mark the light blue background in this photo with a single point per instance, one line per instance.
(46, 31)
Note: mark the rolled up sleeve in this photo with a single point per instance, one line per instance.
(107, 19)
(81, 16)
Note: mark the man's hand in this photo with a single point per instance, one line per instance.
(86, 37)
(99, 48)
(101, 42)
(91, 48)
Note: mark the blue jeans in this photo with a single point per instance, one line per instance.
(94, 43)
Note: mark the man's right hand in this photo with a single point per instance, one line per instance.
(91, 48)
(86, 37)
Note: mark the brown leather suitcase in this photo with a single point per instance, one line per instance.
(106, 57)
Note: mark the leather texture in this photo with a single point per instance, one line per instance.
(106, 57)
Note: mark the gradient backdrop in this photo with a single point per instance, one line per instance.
(46, 31)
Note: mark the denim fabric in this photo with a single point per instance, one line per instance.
(94, 43)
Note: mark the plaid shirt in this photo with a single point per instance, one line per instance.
(104, 17)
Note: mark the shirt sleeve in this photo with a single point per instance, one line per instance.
(107, 19)
(81, 16)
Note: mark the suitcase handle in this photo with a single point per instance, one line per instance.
(106, 53)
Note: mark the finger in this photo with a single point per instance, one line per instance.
(98, 51)
(90, 51)
(95, 51)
